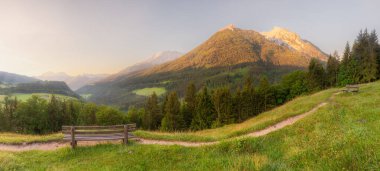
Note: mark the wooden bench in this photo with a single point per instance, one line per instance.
(351, 88)
(97, 133)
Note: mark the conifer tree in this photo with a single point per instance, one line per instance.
(190, 104)
(332, 69)
(346, 70)
(316, 75)
(172, 119)
(249, 103)
(265, 94)
(204, 114)
(237, 105)
(152, 117)
(222, 101)
(54, 115)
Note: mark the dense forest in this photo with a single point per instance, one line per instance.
(201, 107)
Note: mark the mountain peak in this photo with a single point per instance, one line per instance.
(228, 27)
(292, 40)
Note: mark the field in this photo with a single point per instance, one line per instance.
(24, 97)
(12, 138)
(86, 96)
(149, 91)
(343, 135)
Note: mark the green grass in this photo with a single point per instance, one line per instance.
(86, 96)
(292, 108)
(12, 138)
(149, 91)
(343, 135)
(24, 97)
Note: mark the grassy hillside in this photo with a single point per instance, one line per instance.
(343, 135)
(292, 108)
(12, 138)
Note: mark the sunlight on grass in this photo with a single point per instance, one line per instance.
(149, 91)
(13, 138)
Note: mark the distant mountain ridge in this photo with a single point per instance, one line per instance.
(74, 82)
(156, 59)
(10, 78)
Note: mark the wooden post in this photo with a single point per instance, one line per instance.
(73, 142)
(125, 134)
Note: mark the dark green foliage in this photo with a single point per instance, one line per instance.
(152, 117)
(190, 104)
(135, 115)
(222, 100)
(332, 70)
(346, 68)
(295, 84)
(316, 75)
(173, 120)
(204, 112)
(109, 116)
(39, 116)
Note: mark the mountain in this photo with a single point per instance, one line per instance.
(155, 59)
(285, 37)
(226, 58)
(10, 78)
(74, 82)
(231, 46)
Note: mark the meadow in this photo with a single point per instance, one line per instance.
(149, 91)
(26, 96)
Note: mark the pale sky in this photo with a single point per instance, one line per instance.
(105, 36)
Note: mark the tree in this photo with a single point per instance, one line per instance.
(31, 117)
(222, 101)
(87, 114)
(332, 70)
(152, 117)
(266, 94)
(204, 114)
(295, 84)
(109, 116)
(135, 116)
(249, 103)
(237, 105)
(54, 114)
(347, 67)
(316, 75)
(190, 104)
(172, 117)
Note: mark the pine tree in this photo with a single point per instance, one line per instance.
(222, 101)
(204, 114)
(249, 103)
(316, 75)
(265, 94)
(237, 105)
(152, 117)
(346, 68)
(375, 49)
(54, 114)
(190, 104)
(172, 119)
(332, 70)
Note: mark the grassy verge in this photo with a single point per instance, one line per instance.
(343, 135)
(292, 108)
(12, 138)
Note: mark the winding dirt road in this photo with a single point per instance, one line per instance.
(265, 131)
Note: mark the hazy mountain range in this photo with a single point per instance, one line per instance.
(74, 82)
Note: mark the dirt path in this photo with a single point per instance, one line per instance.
(267, 130)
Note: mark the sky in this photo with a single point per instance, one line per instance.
(105, 36)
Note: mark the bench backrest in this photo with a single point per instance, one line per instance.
(352, 86)
(97, 133)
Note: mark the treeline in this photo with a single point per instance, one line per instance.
(39, 116)
(221, 106)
